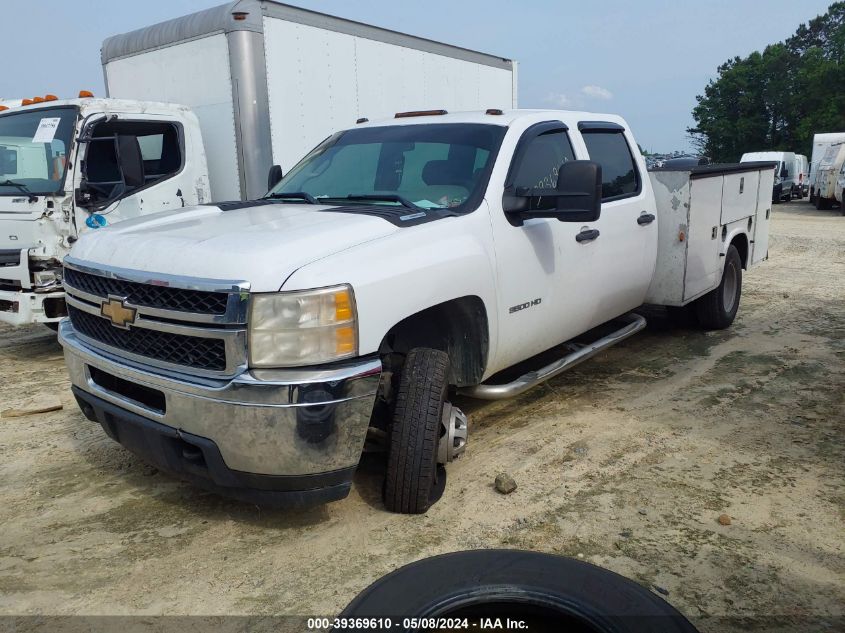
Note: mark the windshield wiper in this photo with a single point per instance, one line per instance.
(293, 195)
(386, 197)
(19, 185)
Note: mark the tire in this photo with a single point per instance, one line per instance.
(822, 204)
(717, 309)
(412, 482)
(547, 592)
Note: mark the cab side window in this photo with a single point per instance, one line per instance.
(538, 163)
(620, 176)
(160, 145)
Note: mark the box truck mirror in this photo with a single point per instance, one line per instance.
(274, 177)
(131, 162)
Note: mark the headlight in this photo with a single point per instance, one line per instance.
(307, 327)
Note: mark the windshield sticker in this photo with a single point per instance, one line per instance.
(46, 130)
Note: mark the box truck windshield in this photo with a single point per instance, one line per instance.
(33, 150)
(430, 166)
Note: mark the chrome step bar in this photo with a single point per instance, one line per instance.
(634, 323)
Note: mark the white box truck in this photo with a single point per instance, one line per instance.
(269, 81)
(821, 144)
(260, 83)
(253, 347)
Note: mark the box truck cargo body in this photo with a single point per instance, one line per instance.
(821, 143)
(269, 81)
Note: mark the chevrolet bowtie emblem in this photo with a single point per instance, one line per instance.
(116, 310)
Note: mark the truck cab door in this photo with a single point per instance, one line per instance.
(131, 168)
(625, 252)
(545, 290)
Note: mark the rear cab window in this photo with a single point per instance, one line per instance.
(607, 145)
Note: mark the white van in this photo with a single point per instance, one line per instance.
(802, 177)
(785, 178)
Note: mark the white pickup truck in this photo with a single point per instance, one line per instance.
(255, 347)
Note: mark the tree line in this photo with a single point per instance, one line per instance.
(777, 99)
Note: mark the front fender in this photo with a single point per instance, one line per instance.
(415, 268)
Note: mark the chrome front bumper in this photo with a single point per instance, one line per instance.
(264, 422)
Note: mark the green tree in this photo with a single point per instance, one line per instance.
(777, 99)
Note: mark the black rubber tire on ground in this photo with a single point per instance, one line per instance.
(822, 204)
(714, 310)
(553, 592)
(411, 481)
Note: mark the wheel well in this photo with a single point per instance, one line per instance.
(740, 242)
(457, 327)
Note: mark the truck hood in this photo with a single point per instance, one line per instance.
(262, 244)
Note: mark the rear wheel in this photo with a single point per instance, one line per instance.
(822, 204)
(414, 480)
(717, 309)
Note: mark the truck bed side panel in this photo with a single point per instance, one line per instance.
(672, 196)
(703, 269)
(196, 74)
(321, 80)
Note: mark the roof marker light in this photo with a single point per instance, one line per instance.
(363, 119)
(85, 94)
(26, 102)
(37, 100)
(50, 98)
(493, 111)
(405, 115)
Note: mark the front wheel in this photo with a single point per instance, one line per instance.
(414, 479)
(717, 309)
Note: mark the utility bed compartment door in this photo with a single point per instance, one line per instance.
(703, 261)
(760, 247)
(739, 195)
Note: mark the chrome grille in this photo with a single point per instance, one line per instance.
(176, 322)
(139, 294)
(177, 349)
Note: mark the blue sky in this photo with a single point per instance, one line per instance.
(645, 60)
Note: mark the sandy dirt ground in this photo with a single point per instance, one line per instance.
(626, 462)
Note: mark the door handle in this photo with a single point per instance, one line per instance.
(587, 235)
(645, 218)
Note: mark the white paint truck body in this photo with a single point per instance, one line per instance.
(60, 170)
(259, 344)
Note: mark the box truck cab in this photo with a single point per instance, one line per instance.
(830, 178)
(75, 165)
(255, 347)
(785, 174)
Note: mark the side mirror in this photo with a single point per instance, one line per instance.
(274, 177)
(131, 161)
(579, 191)
(784, 172)
(576, 198)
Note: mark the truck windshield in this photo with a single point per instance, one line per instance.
(430, 165)
(33, 150)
